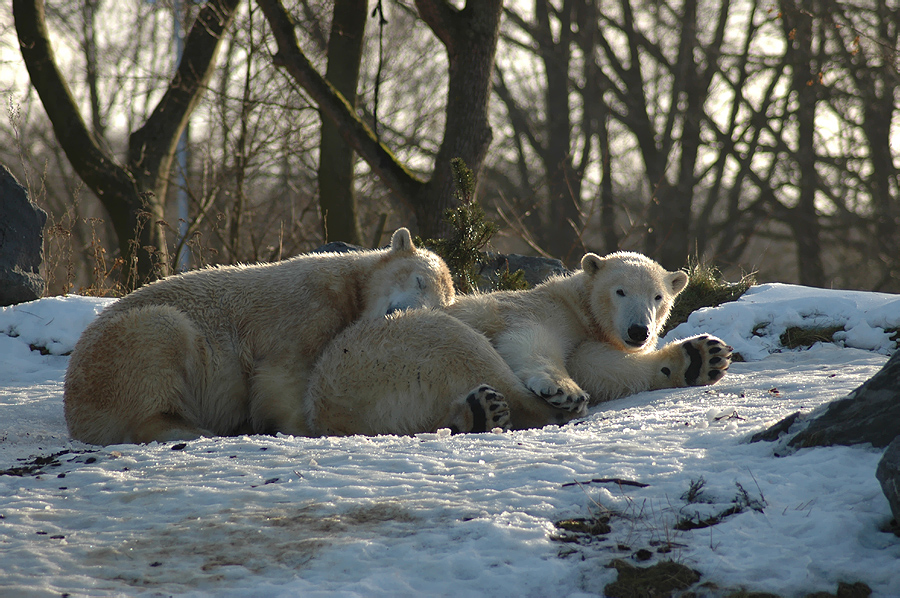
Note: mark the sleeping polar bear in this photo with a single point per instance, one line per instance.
(229, 350)
(515, 359)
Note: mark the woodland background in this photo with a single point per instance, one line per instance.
(758, 135)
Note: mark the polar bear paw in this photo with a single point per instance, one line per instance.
(483, 410)
(708, 360)
(564, 394)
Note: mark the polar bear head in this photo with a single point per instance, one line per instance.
(407, 277)
(630, 297)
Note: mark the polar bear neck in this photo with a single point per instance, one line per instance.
(572, 295)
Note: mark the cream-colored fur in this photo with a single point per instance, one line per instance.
(542, 351)
(594, 333)
(418, 371)
(229, 350)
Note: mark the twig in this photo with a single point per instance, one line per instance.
(618, 481)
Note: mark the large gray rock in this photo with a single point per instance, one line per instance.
(869, 414)
(888, 473)
(21, 243)
(536, 269)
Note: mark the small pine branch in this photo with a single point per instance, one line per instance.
(470, 232)
(464, 179)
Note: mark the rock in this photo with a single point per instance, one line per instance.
(773, 433)
(888, 474)
(536, 269)
(853, 590)
(337, 247)
(21, 243)
(845, 590)
(869, 414)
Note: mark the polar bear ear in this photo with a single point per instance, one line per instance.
(402, 241)
(591, 263)
(677, 281)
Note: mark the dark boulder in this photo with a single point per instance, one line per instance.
(888, 473)
(337, 247)
(536, 269)
(869, 414)
(21, 243)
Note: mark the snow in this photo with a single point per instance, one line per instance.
(440, 515)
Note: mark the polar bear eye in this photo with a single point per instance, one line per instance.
(420, 282)
(659, 297)
(620, 292)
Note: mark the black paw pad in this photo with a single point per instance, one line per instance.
(479, 417)
(715, 374)
(693, 370)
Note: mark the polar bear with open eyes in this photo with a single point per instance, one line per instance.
(515, 359)
(229, 350)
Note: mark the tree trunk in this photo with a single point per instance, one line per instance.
(804, 219)
(470, 37)
(563, 185)
(337, 201)
(669, 218)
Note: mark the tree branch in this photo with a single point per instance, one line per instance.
(356, 133)
(156, 140)
(95, 167)
(442, 18)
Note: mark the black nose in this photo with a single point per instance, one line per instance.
(638, 333)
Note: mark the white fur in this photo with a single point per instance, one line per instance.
(537, 331)
(229, 350)
(412, 373)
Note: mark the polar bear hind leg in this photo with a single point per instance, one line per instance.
(418, 371)
(130, 378)
(481, 410)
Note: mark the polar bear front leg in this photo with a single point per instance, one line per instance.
(608, 373)
(697, 361)
(537, 358)
(481, 410)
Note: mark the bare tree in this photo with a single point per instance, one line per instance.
(133, 194)
(552, 136)
(469, 36)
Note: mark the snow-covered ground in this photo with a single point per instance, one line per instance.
(435, 515)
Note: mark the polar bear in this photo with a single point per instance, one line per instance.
(229, 350)
(596, 328)
(518, 359)
(418, 371)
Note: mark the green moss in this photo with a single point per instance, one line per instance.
(662, 579)
(795, 337)
(706, 288)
